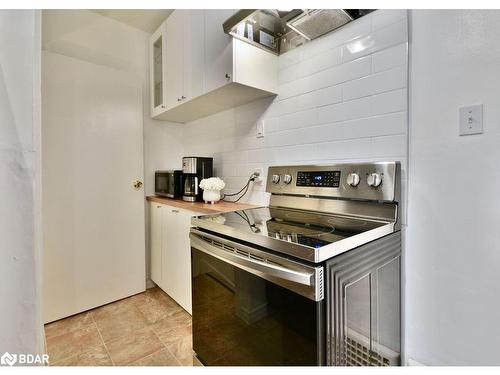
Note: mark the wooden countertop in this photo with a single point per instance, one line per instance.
(201, 207)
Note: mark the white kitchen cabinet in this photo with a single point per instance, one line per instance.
(174, 50)
(156, 212)
(194, 54)
(157, 59)
(219, 49)
(171, 251)
(208, 71)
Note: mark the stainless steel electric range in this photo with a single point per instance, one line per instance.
(313, 279)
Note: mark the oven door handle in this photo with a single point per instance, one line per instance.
(257, 267)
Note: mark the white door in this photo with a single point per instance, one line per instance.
(194, 53)
(93, 218)
(218, 49)
(174, 59)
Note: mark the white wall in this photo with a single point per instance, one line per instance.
(453, 240)
(21, 329)
(341, 98)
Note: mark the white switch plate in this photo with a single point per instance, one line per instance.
(471, 119)
(260, 129)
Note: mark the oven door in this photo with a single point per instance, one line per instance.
(251, 307)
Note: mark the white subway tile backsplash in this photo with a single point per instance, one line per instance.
(388, 36)
(345, 111)
(374, 84)
(392, 101)
(319, 62)
(390, 146)
(271, 125)
(285, 106)
(298, 119)
(384, 17)
(389, 58)
(342, 73)
(289, 58)
(342, 97)
(328, 95)
(391, 124)
(289, 74)
(357, 48)
(325, 78)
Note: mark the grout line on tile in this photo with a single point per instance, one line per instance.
(102, 340)
(149, 355)
(166, 347)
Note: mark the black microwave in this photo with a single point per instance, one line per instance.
(168, 183)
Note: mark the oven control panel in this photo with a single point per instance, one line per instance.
(318, 178)
(365, 181)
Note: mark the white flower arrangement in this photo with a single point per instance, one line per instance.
(212, 183)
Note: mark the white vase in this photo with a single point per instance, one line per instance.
(211, 196)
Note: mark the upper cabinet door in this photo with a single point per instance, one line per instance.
(218, 49)
(194, 53)
(157, 71)
(174, 59)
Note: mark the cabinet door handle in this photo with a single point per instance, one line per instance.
(228, 76)
(183, 97)
(179, 99)
(176, 211)
(158, 206)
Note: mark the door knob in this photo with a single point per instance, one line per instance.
(137, 184)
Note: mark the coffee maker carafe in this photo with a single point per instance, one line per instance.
(195, 169)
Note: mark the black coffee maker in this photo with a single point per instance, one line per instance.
(195, 169)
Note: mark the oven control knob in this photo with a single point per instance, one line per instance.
(276, 178)
(374, 179)
(287, 179)
(353, 179)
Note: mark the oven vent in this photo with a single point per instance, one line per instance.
(315, 22)
(360, 355)
(239, 251)
(358, 352)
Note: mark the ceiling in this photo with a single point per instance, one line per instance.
(145, 19)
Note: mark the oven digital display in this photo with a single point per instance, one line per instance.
(329, 179)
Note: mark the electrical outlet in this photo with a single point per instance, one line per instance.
(471, 119)
(259, 173)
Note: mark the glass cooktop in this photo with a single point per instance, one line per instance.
(309, 229)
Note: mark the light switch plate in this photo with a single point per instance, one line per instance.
(471, 119)
(260, 129)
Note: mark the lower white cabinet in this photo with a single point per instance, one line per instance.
(171, 251)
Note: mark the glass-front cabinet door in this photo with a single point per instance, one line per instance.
(157, 71)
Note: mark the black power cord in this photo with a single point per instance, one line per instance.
(252, 178)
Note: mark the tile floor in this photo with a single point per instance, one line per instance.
(148, 329)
